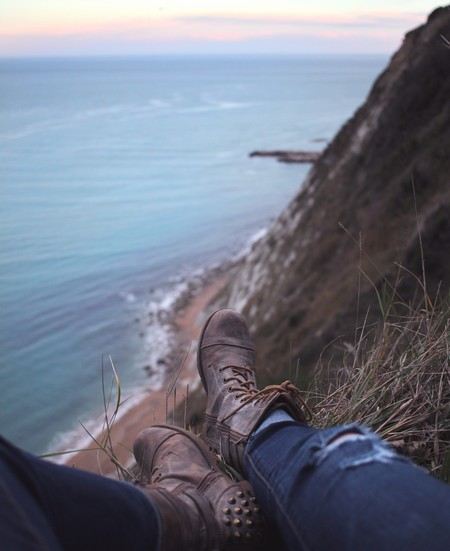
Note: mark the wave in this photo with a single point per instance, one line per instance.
(214, 105)
(153, 105)
(159, 336)
(56, 123)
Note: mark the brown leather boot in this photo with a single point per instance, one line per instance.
(200, 508)
(226, 358)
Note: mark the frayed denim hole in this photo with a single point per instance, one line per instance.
(380, 453)
(363, 447)
(325, 445)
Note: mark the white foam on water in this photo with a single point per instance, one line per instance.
(214, 105)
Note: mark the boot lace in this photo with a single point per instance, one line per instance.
(246, 392)
(242, 376)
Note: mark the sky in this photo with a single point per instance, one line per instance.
(123, 27)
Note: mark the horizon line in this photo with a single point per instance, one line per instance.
(193, 54)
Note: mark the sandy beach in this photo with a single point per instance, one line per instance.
(151, 408)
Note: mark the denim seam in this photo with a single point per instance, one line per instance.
(279, 504)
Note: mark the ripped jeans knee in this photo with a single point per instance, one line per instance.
(357, 445)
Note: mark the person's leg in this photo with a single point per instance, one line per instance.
(47, 506)
(343, 488)
(340, 488)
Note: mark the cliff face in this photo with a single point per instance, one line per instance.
(356, 213)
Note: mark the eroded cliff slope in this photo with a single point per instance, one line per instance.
(356, 216)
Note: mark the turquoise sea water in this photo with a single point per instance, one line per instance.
(120, 177)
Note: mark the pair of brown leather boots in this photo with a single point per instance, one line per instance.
(201, 507)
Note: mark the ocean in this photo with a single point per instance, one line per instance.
(120, 178)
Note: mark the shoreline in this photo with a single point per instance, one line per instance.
(151, 406)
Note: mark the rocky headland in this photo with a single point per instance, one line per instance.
(288, 156)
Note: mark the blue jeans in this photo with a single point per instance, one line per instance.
(357, 494)
(51, 507)
(320, 496)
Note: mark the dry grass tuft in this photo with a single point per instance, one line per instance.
(112, 402)
(395, 379)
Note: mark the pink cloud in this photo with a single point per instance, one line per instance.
(374, 32)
